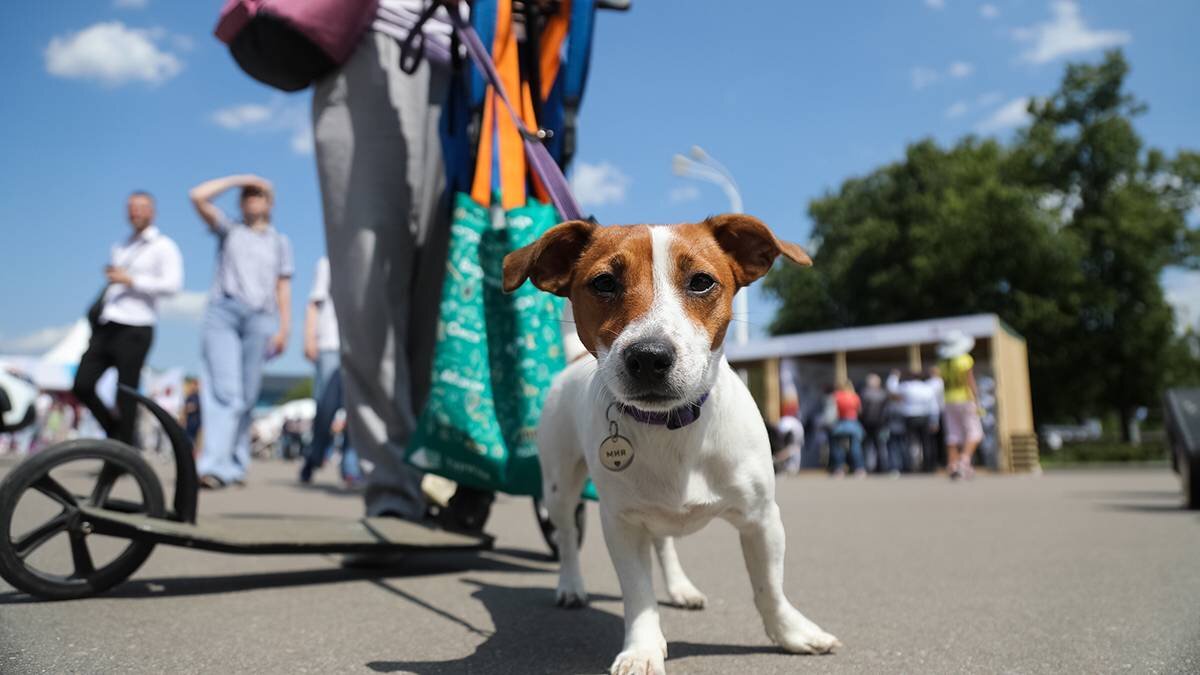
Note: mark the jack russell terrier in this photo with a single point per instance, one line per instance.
(668, 432)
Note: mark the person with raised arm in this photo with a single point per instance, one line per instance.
(245, 324)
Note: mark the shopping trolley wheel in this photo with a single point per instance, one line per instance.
(57, 478)
(547, 527)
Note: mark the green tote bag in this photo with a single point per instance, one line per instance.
(495, 358)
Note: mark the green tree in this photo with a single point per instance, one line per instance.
(1126, 208)
(300, 390)
(941, 233)
(1063, 234)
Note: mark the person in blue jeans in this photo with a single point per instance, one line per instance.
(246, 322)
(322, 346)
(848, 431)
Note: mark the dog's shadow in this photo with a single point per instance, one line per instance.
(532, 635)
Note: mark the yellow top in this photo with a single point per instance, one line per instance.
(954, 375)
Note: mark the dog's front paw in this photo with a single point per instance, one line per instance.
(687, 596)
(804, 637)
(570, 593)
(640, 660)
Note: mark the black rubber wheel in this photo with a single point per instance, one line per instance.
(547, 527)
(34, 474)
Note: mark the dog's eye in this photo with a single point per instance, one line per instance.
(604, 285)
(701, 283)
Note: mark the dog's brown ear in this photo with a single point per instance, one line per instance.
(549, 261)
(751, 246)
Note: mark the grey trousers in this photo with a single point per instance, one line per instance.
(380, 166)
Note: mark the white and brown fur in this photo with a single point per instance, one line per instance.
(679, 480)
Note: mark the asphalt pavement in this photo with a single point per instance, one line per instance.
(1089, 571)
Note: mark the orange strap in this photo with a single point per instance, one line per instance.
(510, 144)
(554, 33)
(498, 133)
(481, 184)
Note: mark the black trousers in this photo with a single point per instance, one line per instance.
(919, 432)
(114, 345)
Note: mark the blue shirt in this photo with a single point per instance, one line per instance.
(249, 263)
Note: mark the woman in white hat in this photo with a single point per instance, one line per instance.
(962, 426)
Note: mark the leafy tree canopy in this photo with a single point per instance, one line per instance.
(1064, 233)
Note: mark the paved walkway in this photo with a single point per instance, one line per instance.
(1087, 571)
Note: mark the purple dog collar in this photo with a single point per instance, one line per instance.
(672, 419)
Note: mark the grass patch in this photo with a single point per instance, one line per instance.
(1097, 452)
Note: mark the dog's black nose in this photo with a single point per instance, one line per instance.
(648, 362)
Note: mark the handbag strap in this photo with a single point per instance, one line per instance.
(535, 152)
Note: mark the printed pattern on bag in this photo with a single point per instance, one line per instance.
(495, 358)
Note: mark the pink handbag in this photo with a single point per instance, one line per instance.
(289, 44)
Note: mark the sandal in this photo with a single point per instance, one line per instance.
(211, 482)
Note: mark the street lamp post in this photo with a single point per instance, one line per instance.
(700, 165)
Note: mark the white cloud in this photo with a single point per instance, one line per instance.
(935, 4)
(988, 99)
(923, 77)
(113, 54)
(274, 117)
(185, 305)
(130, 4)
(599, 184)
(240, 116)
(37, 341)
(683, 193)
(1011, 114)
(302, 140)
(960, 69)
(1065, 34)
(988, 11)
(963, 106)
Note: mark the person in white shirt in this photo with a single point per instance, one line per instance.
(143, 269)
(919, 406)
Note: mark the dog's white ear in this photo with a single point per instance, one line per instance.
(550, 261)
(751, 246)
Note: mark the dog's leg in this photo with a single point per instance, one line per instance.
(680, 589)
(562, 489)
(763, 548)
(645, 647)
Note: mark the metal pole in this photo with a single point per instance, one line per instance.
(703, 166)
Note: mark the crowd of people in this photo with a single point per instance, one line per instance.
(385, 185)
(246, 323)
(383, 179)
(916, 421)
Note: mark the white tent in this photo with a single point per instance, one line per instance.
(72, 346)
(55, 370)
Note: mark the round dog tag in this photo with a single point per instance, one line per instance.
(616, 453)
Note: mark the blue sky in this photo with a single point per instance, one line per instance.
(106, 96)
